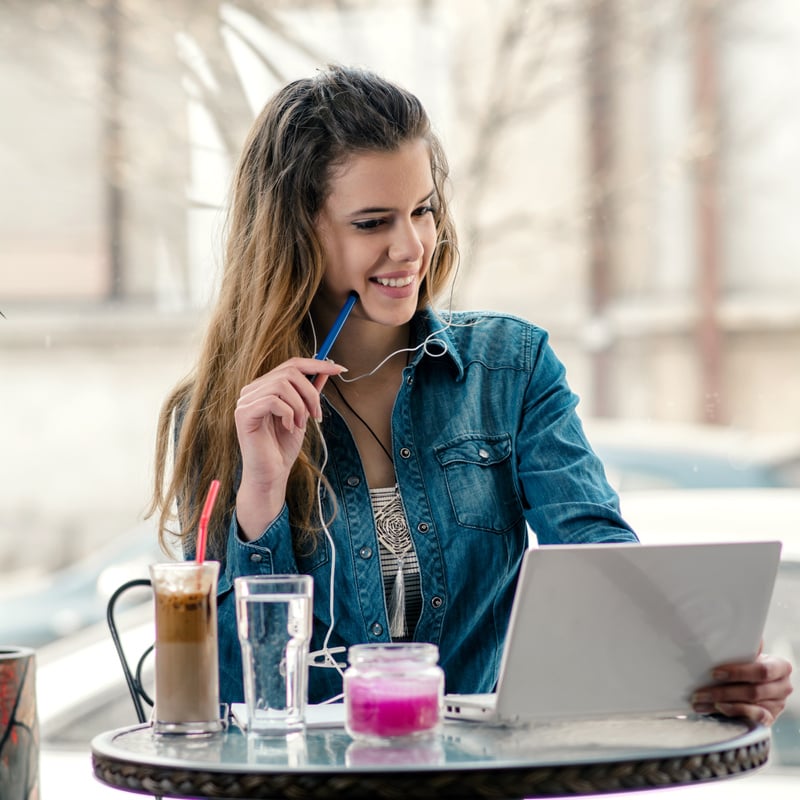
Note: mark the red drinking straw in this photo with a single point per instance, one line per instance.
(208, 507)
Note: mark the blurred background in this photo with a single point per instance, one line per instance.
(624, 173)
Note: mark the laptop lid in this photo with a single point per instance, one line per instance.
(630, 628)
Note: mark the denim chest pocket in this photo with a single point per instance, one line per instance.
(480, 481)
(309, 559)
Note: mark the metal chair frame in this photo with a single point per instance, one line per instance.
(133, 679)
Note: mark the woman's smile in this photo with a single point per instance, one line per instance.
(397, 286)
(394, 282)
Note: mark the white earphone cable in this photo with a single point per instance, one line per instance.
(326, 653)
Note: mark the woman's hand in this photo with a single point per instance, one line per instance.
(271, 417)
(757, 691)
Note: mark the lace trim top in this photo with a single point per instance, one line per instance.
(399, 565)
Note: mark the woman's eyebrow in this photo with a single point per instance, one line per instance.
(378, 210)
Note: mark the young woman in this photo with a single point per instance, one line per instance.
(400, 473)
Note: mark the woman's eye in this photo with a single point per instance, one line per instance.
(423, 210)
(367, 224)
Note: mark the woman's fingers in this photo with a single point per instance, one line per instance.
(251, 412)
(757, 690)
(763, 714)
(286, 392)
(271, 415)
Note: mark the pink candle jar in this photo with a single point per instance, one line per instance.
(393, 691)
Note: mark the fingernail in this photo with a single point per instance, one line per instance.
(724, 708)
(720, 675)
(703, 708)
(701, 697)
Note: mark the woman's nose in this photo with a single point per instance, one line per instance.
(406, 244)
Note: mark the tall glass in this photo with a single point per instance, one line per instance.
(187, 676)
(273, 614)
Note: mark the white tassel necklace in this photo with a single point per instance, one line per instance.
(393, 534)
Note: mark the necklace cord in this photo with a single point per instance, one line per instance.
(362, 421)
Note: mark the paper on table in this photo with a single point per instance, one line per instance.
(322, 715)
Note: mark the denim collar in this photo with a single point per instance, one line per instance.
(428, 322)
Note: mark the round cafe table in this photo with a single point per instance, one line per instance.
(464, 760)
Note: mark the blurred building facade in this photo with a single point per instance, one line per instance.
(623, 175)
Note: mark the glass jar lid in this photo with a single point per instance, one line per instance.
(387, 654)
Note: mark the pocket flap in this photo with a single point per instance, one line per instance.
(475, 450)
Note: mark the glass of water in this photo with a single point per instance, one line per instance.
(273, 615)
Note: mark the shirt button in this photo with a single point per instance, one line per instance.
(405, 452)
(483, 454)
(353, 480)
(409, 380)
(377, 629)
(423, 527)
(365, 552)
(256, 558)
(436, 601)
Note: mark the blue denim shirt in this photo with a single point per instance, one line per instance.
(485, 439)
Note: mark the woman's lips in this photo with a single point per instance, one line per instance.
(394, 283)
(396, 286)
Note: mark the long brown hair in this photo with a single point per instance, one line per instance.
(273, 266)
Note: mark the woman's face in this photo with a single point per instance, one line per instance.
(378, 232)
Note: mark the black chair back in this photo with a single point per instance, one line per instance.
(133, 678)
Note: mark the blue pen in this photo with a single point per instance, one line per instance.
(337, 326)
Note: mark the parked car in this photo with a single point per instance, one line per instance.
(37, 609)
(655, 455)
(691, 515)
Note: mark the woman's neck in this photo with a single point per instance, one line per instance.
(365, 395)
(363, 345)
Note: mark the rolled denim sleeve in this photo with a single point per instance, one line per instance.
(270, 553)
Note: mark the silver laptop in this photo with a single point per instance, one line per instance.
(625, 629)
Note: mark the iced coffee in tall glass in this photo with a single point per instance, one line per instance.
(187, 682)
